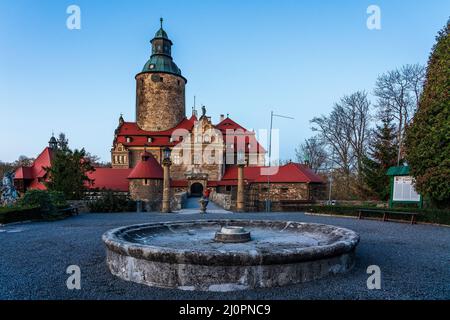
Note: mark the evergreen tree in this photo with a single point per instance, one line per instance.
(382, 154)
(68, 172)
(428, 137)
(63, 142)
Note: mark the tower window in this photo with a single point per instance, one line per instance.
(146, 182)
(161, 79)
(149, 139)
(128, 139)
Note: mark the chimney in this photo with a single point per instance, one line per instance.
(222, 117)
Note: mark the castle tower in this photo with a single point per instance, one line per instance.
(146, 182)
(160, 88)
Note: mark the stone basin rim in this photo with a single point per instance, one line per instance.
(346, 243)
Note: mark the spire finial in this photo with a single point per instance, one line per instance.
(161, 21)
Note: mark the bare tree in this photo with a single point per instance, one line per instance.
(398, 93)
(357, 109)
(313, 151)
(345, 133)
(96, 161)
(334, 130)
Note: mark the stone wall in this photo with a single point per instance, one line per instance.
(256, 194)
(223, 200)
(150, 194)
(160, 101)
(81, 205)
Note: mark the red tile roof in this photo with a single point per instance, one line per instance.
(251, 144)
(139, 137)
(23, 173)
(227, 123)
(292, 172)
(109, 178)
(132, 129)
(36, 173)
(147, 168)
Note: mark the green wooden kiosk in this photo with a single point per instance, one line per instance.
(402, 187)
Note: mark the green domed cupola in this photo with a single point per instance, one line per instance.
(161, 58)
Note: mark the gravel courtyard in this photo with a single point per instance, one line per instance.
(414, 261)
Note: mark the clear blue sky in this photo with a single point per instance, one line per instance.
(244, 58)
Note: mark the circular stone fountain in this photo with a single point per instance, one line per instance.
(226, 255)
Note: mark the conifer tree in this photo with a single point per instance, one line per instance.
(428, 137)
(382, 154)
(68, 172)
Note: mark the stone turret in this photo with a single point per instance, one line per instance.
(146, 182)
(160, 88)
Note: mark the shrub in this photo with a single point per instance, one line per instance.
(16, 213)
(58, 199)
(44, 200)
(110, 201)
(38, 199)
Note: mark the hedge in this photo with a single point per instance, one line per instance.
(36, 205)
(16, 214)
(425, 215)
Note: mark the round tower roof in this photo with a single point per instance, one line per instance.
(161, 58)
(147, 168)
(161, 34)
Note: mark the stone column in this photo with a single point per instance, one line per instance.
(240, 203)
(166, 187)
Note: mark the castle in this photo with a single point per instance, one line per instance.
(201, 154)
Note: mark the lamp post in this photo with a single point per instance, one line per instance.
(166, 182)
(240, 203)
(270, 154)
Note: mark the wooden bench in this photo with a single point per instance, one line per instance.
(386, 213)
(71, 210)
